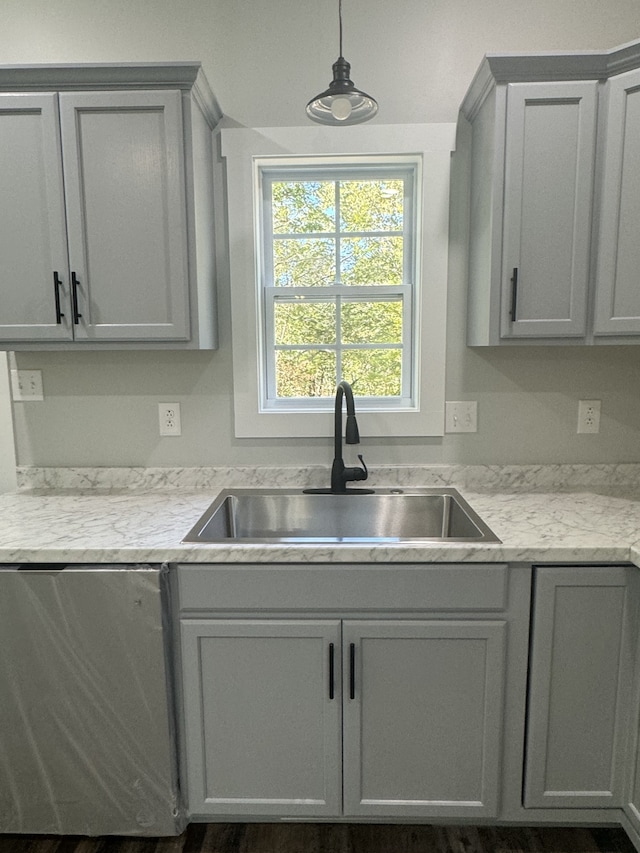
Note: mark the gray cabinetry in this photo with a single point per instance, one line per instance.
(262, 721)
(108, 239)
(340, 703)
(617, 309)
(553, 146)
(580, 680)
(548, 190)
(33, 236)
(422, 717)
(532, 164)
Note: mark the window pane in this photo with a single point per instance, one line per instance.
(305, 322)
(371, 205)
(303, 373)
(303, 263)
(301, 207)
(371, 322)
(373, 372)
(371, 260)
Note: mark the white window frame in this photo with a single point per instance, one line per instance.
(243, 148)
(390, 167)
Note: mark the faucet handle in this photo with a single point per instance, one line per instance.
(363, 473)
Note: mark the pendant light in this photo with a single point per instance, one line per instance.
(341, 103)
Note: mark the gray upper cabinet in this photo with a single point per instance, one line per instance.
(618, 294)
(548, 190)
(33, 236)
(108, 240)
(553, 255)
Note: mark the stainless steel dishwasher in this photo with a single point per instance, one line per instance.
(86, 723)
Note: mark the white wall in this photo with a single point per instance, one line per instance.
(265, 59)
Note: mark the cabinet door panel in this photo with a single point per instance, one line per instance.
(262, 730)
(124, 179)
(579, 688)
(32, 224)
(618, 279)
(550, 150)
(422, 733)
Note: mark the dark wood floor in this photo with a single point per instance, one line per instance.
(336, 838)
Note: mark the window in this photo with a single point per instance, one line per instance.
(324, 286)
(338, 280)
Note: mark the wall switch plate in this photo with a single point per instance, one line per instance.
(26, 385)
(461, 416)
(588, 416)
(169, 419)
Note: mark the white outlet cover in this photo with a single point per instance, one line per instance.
(588, 416)
(461, 416)
(169, 419)
(26, 386)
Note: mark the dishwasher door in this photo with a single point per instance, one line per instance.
(86, 724)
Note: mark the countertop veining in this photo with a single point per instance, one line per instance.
(540, 513)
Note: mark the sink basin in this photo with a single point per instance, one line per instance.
(387, 515)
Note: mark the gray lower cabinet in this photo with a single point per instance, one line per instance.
(423, 706)
(580, 686)
(283, 715)
(263, 728)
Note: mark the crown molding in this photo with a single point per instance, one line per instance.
(547, 67)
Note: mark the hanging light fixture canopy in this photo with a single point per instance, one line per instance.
(341, 103)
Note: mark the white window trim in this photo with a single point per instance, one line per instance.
(240, 147)
(410, 169)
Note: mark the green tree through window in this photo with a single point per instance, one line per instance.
(339, 280)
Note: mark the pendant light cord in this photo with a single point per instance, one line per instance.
(340, 20)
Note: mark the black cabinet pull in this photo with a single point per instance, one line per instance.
(74, 299)
(56, 296)
(352, 670)
(331, 671)
(514, 294)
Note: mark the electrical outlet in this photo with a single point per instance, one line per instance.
(461, 416)
(26, 385)
(588, 416)
(169, 418)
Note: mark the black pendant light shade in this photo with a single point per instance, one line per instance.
(341, 103)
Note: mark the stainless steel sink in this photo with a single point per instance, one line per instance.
(387, 515)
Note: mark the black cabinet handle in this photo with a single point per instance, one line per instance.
(514, 294)
(352, 671)
(56, 296)
(331, 671)
(74, 299)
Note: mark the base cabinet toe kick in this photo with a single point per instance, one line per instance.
(490, 692)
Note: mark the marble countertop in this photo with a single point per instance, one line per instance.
(540, 513)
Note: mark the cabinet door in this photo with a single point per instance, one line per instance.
(262, 720)
(579, 689)
(33, 243)
(549, 163)
(126, 212)
(422, 717)
(618, 278)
